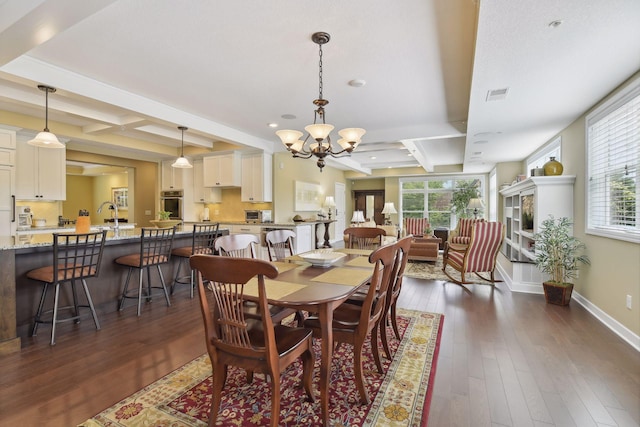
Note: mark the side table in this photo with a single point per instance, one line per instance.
(443, 234)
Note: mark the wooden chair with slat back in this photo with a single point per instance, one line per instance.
(364, 237)
(233, 340)
(280, 244)
(237, 245)
(479, 256)
(75, 257)
(155, 250)
(352, 323)
(202, 242)
(243, 246)
(401, 247)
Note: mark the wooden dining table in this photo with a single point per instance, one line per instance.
(319, 290)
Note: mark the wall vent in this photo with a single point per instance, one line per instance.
(497, 94)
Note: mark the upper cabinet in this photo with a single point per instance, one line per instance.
(172, 178)
(222, 170)
(202, 194)
(40, 173)
(257, 172)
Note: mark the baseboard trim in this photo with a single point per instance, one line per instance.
(611, 323)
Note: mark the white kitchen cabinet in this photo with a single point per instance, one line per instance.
(304, 241)
(172, 178)
(257, 170)
(7, 201)
(7, 139)
(202, 194)
(41, 173)
(223, 170)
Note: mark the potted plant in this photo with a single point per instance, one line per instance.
(165, 220)
(558, 255)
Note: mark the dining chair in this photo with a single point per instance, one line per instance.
(237, 245)
(155, 250)
(75, 257)
(364, 237)
(401, 248)
(479, 256)
(280, 244)
(233, 340)
(352, 323)
(202, 241)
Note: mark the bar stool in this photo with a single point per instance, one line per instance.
(204, 235)
(155, 249)
(75, 257)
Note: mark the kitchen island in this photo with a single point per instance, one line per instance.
(19, 295)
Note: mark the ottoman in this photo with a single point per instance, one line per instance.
(424, 248)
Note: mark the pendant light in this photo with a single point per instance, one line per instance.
(182, 162)
(45, 138)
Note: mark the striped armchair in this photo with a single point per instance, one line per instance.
(479, 256)
(461, 235)
(414, 226)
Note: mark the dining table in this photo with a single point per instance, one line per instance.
(303, 286)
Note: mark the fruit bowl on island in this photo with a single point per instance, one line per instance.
(164, 223)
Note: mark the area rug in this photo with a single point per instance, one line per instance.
(433, 271)
(399, 397)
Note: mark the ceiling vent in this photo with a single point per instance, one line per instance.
(497, 94)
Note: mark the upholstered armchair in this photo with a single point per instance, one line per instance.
(479, 256)
(414, 226)
(461, 235)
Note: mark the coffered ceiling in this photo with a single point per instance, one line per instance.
(454, 85)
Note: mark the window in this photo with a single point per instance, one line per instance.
(613, 158)
(540, 157)
(432, 197)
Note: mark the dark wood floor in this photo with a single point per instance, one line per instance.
(505, 360)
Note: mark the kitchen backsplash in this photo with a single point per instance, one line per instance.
(45, 210)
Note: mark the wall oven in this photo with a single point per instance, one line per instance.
(173, 201)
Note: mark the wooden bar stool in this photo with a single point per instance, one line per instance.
(204, 235)
(155, 249)
(75, 257)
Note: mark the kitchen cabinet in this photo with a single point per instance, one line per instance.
(257, 170)
(7, 201)
(40, 173)
(7, 139)
(172, 178)
(223, 170)
(202, 194)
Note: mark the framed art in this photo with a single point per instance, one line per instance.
(307, 197)
(120, 197)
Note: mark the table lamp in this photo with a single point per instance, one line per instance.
(387, 210)
(357, 218)
(476, 204)
(329, 203)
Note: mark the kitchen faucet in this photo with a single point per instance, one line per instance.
(114, 207)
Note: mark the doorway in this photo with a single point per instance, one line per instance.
(371, 203)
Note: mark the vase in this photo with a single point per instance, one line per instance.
(553, 167)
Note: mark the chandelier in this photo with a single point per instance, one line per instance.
(319, 132)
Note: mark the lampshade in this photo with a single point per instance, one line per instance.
(182, 162)
(389, 208)
(358, 216)
(329, 202)
(45, 138)
(475, 203)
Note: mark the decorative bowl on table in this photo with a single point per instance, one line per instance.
(164, 223)
(322, 258)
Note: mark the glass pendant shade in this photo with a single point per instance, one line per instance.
(319, 131)
(289, 137)
(182, 162)
(47, 140)
(352, 134)
(297, 146)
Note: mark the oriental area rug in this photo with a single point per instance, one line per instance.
(399, 397)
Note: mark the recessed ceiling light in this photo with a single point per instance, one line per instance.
(272, 125)
(357, 83)
(410, 155)
(288, 116)
(372, 157)
(556, 23)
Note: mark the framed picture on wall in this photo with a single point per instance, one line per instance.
(307, 197)
(120, 197)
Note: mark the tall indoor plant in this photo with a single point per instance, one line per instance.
(558, 254)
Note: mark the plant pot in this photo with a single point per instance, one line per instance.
(558, 294)
(164, 223)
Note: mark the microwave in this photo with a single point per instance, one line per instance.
(257, 216)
